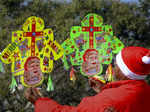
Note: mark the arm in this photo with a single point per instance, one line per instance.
(48, 105)
(108, 100)
(44, 104)
(6, 55)
(98, 103)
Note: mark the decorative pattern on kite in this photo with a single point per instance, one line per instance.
(91, 45)
(34, 47)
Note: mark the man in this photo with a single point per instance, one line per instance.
(130, 93)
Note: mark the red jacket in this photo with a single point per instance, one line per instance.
(123, 96)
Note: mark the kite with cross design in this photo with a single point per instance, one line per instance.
(91, 45)
(31, 52)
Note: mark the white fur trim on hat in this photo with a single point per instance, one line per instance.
(146, 59)
(125, 70)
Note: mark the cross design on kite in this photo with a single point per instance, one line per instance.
(91, 45)
(32, 52)
(33, 35)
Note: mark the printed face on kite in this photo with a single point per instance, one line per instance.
(33, 74)
(91, 64)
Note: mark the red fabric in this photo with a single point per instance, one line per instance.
(124, 96)
(132, 57)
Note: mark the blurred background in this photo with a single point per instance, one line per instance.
(130, 20)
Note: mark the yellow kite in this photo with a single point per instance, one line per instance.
(32, 52)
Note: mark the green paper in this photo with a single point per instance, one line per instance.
(2, 67)
(13, 84)
(90, 46)
(50, 86)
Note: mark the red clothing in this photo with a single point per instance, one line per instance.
(124, 96)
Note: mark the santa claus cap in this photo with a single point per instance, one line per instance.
(134, 62)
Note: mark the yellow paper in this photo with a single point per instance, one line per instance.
(33, 41)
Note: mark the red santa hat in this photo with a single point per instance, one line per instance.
(134, 62)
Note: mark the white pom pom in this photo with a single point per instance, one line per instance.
(146, 59)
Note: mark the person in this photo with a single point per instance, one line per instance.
(129, 93)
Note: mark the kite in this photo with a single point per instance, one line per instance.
(32, 53)
(90, 46)
(109, 74)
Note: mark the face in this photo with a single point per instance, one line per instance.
(91, 66)
(92, 58)
(33, 75)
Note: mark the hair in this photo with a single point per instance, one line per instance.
(87, 52)
(28, 59)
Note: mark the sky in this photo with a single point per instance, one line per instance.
(25, 3)
(129, 0)
(121, 0)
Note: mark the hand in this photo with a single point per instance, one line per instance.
(110, 109)
(32, 94)
(96, 84)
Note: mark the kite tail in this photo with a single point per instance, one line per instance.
(72, 75)
(50, 86)
(2, 67)
(109, 73)
(66, 66)
(13, 84)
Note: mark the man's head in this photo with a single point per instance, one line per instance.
(132, 63)
(33, 74)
